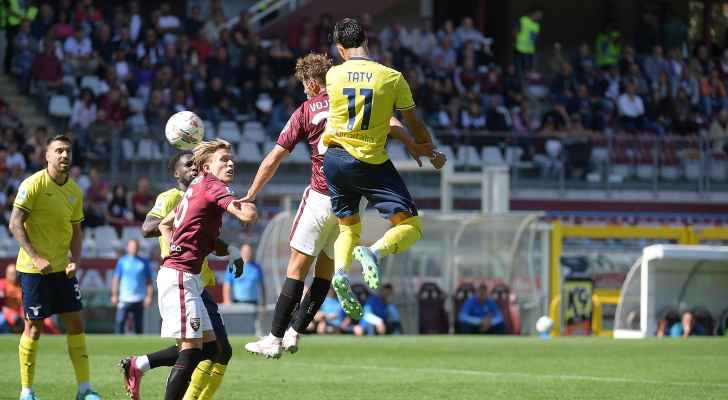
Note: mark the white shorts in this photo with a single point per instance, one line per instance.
(180, 304)
(315, 227)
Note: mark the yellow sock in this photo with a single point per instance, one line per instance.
(27, 350)
(79, 357)
(200, 379)
(399, 237)
(218, 371)
(344, 246)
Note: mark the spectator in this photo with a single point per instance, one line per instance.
(689, 84)
(686, 327)
(480, 314)
(194, 22)
(83, 115)
(43, 23)
(466, 33)
(81, 179)
(719, 131)
(656, 64)
(62, 29)
(167, 24)
(15, 158)
(78, 49)
(103, 45)
(527, 32)
(12, 304)
(713, 93)
(95, 200)
(329, 317)
(444, 56)
(473, 117)
(46, 72)
(142, 200)
(131, 288)
(118, 213)
(380, 315)
(498, 119)
(250, 287)
(631, 109)
(584, 61)
(26, 46)
(608, 47)
(135, 21)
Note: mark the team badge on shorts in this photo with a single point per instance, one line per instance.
(195, 323)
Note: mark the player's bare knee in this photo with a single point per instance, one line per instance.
(298, 265)
(324, 267)
(400, 217)
(350, 220)
(73, 323)
(33, 328)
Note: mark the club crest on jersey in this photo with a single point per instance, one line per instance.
(22, 194)
(72, 199)
(195, 323)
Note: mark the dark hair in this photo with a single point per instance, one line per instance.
(349, 33)
(172, 166)
(59, 138)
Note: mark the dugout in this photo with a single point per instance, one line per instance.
(671, 277)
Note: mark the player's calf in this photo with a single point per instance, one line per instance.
(179, 378)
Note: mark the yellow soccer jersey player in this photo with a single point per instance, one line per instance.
(363, 95)
(165, 203)
(52, 210)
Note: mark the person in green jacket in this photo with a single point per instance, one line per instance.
(15, 11)
(608, 47)
(526, 35)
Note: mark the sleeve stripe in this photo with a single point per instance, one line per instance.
(78, 221)
(24, 208)
(405, 108)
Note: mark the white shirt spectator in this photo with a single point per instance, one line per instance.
(122, 70)
(630, 105)
(472, 121)
(419, 41)
(82, 115)
(135, 26)
(75, 48)
(168, 22)
(15, 160)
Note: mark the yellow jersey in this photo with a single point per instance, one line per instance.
(363, 95)
(52, 210)
(165, 203)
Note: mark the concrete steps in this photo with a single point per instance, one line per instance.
(25, 105)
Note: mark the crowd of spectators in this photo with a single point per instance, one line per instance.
(147, 65)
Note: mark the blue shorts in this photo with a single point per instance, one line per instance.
(349, 179)
(215, 318)
(46, 295)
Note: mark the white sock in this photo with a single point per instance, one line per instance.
(142, 363)
(25, 391)
(84, 387)
(275, 338)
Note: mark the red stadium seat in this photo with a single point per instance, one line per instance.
(433, 318)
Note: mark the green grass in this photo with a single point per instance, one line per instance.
(439, 367)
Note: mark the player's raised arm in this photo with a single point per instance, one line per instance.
(243, 210)
(267, 169)
(415, 150)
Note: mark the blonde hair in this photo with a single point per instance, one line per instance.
(205, 150)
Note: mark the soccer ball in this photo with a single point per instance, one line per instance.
(184, 130)
(544, 325)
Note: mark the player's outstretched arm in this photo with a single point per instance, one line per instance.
(150, 227)
(243, 210)
(267, 169)
(416, 150)
(17, 228)
(419, 131)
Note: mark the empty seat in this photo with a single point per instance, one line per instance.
(209, 130)
(254, 131)
(468, 156)
(131, 232)
(127, 149)
(91, 82)
(60, 106)
(146, 150)
(397, 152)
(136, 104)
(249, 152)
(229, 131)
(492, 155)
(447, 151)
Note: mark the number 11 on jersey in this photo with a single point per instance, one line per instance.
(368, 95)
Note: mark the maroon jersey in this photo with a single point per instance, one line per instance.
(308, 123)
(197, 222)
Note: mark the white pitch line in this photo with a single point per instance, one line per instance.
(521, 375)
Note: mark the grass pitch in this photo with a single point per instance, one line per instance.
(435, 367)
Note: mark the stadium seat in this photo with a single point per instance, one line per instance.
(138, 124)
(300, 155)
(229, 131)
(468, 156)
(131, 232)
(136, 104)
(107, 242)
(60, 106)
(127, 149)
(718, 168)
(397, 152)
(254, 131)
(209, 129)
(447, 151)
(492, 155)
(514, 155)
(249, 152)
(508, 305)
(670, 168)
(692, 170)
(91, 82)
(433, 318)
(148, 150)
(268, 146)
